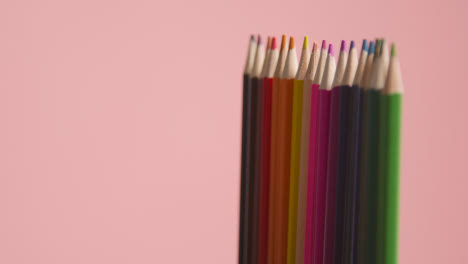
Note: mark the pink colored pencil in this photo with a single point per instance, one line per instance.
(309, 227)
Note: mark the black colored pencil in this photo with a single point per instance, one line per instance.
(252, 185)
(340, 178)
(354, 107)
(245, 122)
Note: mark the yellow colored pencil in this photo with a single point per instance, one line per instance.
(298, 89)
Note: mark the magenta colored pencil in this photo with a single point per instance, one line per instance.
(322, 157)
(310, 208)
(331, 175)
(310, 205)
(320, 177)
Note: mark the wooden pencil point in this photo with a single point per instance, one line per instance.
(315, 46)
(306, 43)
(394, 52)
(283, 42)
(291, 43)
(273, 43)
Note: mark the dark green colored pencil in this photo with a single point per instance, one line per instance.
(391, 99)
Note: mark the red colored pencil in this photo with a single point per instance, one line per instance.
(268, 72)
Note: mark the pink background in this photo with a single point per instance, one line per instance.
(120, 123)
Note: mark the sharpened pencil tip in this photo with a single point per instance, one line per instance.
(273, 43)
(259, 40)
(343, 46)
(283, 42)
(352, 45)
(377, 47)
(324, 45)
(291, 43)
(330, 50)
(382, 44)
(394, 53)
(364, 45)
(371, 47)
(314, 48)
(252, 38)
(269, 43)
(306, 43)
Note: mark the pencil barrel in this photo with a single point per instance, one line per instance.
(392, 179)
(242, 214)
(303, 172)
(265, 171)
(321, 175)
(298, 89)
(331, 194)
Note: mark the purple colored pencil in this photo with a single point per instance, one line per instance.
(332, 154)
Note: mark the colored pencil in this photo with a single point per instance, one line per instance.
(359, 81)
(380, 78)
(284, 149)
(268, 73)
(327, 170)
(251, 151)
(352, 136)
(378, 83)
(312, 151)
(245, 132)
(322, 150)
(298, 88)
(273, 196)
(304, 153)
(341, 179)
(256, 164)
(331, 176)
(391, 100)
(369, 152)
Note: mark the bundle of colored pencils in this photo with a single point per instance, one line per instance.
(320, 154)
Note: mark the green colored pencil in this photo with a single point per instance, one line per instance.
(391, 99)
(381, 69)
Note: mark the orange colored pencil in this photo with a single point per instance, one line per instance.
(272, 210)
(284, 150)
